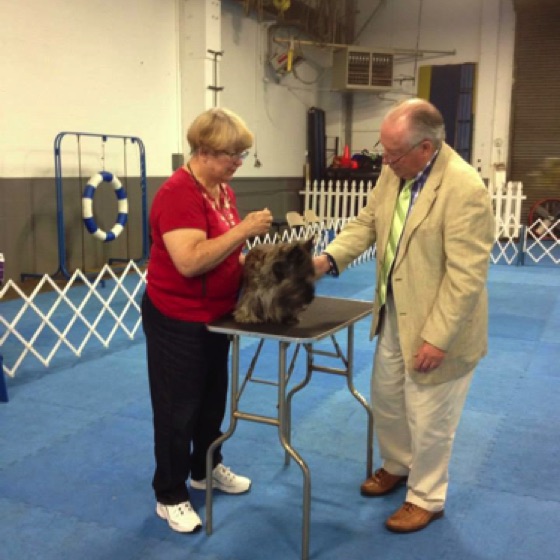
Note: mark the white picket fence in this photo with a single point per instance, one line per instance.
(507, 199)
(336, 200)
(342, 200)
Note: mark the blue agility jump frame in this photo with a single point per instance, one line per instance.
(3, 388)
(62, 266)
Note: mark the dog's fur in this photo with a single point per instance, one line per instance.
(278, 283)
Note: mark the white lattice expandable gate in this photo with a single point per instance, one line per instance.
(86, 313)
(53, 319)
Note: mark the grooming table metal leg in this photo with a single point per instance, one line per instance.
(294, 390)
(282, 414)
(360, 399)
(226, 435)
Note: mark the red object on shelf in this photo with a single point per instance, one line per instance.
(346, 161)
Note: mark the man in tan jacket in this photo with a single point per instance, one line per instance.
(430, 308)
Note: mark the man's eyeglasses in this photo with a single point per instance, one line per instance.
(393, 161)
(236, 156)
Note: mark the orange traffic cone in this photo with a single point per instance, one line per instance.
(345, 160)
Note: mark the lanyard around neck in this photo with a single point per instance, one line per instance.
(224, 212)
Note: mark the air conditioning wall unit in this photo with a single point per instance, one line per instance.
(357, 69)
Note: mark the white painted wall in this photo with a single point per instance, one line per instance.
(85, 65)
(274, 107)
(114, 67)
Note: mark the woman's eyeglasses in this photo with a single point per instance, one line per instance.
(235, 156)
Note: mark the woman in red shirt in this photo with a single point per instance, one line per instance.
(194, 276)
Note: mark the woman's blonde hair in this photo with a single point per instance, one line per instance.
(219, 129)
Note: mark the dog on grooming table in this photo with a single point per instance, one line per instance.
(278, 283)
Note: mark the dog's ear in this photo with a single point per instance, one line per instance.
(298, 254)
(309, 244)
(280, 270)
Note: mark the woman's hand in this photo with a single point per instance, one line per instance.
(257, 223)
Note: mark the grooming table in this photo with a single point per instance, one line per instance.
(323, 318)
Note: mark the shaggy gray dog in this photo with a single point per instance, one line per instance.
(278, 283)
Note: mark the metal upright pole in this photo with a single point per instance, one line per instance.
(214, 87)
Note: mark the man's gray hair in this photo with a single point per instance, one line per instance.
(426, 122)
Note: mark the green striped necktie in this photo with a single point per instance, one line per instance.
(397, 225)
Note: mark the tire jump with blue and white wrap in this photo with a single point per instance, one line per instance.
(87, 206)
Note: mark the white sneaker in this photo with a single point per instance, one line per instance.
(225, 480)
(181, 517)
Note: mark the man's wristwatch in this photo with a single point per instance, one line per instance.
(333, 269)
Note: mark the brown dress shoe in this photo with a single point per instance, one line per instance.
(381, 483)
(411, 517)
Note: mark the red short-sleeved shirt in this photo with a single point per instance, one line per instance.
(179, 203)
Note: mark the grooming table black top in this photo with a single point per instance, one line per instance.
(323, 317)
